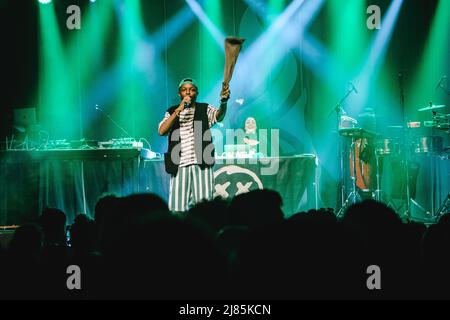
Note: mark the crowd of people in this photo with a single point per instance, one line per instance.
(243, 249)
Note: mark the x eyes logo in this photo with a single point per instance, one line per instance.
(232, 180)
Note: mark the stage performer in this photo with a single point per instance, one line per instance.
(190, 155)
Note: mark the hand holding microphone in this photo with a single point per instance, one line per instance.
(183, 104)
(186, 101)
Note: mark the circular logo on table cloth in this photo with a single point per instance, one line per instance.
(229, 181)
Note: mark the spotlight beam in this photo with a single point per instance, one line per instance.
(108, 82)
(434, 62)
(279, 29)
(56, 95)
(217, 34)
(314, 54)
(249, 76)
(375, 55)
(172, 29)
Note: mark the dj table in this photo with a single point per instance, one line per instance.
(73, 180)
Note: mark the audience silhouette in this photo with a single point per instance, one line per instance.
(242, 249)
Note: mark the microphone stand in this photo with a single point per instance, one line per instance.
(341, 188)
(112, 120)
(138, 159)
(406, 145)
(338, 108)
(444, 89)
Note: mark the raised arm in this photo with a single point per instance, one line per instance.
(224, 96)
(164, 128)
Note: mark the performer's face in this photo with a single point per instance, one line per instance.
(188, 90)
(250, 124)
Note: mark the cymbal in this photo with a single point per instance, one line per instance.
(432, 107)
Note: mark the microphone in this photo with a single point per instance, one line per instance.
(353, 87)
(439, 84)
(187, 104)
(112, 120)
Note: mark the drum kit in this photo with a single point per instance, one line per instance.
(365, 151)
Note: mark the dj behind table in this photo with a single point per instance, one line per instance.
(73, 180)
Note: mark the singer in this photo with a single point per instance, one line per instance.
(190, 155)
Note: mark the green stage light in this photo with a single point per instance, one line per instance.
(275, 7)
(57, 101)
(348, 35)
(211, 61)
(434, 61)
